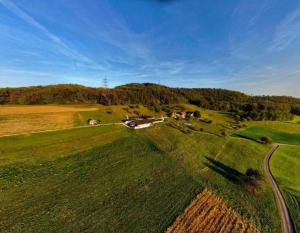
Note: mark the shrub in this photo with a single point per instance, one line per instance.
(266, 140)
(223, 133)
(253, 172)
(253, 181)
(197, 114)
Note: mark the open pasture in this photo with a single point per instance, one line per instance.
(285, 166)
(110, 179)
(286, 133)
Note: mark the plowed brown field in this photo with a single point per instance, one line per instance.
(208, 213)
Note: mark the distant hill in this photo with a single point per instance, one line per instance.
(254, 107)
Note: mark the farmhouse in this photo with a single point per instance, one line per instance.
(143, 123)
(182, 115)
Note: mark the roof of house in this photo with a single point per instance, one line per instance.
(143, 121)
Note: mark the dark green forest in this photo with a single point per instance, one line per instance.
(243, 106)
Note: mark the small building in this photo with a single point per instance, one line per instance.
(93, 122)
(189, 114)
(182, 115)
(143, 123)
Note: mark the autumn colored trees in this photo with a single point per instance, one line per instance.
(244, 107)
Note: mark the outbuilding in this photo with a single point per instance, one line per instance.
(143, 123)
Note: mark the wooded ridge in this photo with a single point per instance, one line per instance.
(153, 95)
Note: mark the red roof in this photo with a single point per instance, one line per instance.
(144, 121)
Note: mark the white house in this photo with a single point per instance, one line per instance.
(143, 123)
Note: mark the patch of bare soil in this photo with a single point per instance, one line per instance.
(208, 213)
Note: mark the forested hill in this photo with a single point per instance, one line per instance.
(254, 107)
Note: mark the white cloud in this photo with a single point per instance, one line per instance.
(287, 32)
(62, 46)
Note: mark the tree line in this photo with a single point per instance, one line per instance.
(242, 105)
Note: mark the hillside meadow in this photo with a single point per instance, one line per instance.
(281, 132)
(114, 179)
(285, 166)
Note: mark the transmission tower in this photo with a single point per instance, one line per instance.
(105, 82)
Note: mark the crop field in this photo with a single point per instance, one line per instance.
(20, 119)
(110, 178)
(23, 119)
(285, 166)
(208, 213)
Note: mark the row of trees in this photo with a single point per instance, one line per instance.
(244, 106)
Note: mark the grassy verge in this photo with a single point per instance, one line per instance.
(285, 166)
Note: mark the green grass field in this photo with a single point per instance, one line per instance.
(285, 166)
(277, 135)
(113, 179)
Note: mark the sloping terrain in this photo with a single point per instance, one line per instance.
(285, 166)
(281, 132)
(113, 179)
(210, 214)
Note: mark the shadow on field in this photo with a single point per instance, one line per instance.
(252, 181)
(246, 137)
(227, 172)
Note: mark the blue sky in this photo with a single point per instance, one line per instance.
(250, 46)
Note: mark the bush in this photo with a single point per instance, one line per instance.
(266, 140)
(197, 114)
(254, 173)
(223, 133)
(253, 181)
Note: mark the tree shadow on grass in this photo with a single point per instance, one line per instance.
(252, 181)
(227, 172)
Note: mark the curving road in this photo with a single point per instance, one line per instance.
(284, 214)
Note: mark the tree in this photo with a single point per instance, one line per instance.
(266, 140)
(197, 114)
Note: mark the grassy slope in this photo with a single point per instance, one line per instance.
(281, 132)
(114, 188)
(110, 179)
(240, 155)
(285, 166)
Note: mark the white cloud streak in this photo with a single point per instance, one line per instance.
(287, 32)
(62, 46)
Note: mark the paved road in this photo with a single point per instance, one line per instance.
(284, 214)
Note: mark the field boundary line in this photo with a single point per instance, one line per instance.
(62, 129)
(281, 205)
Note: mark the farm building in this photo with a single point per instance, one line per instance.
(143, 123)
(182, 115)
(93, 122)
